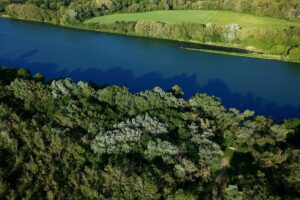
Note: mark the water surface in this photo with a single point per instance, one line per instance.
(269, 87)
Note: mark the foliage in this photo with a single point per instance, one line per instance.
(173, 11)
(65, 140)
(126, 134)
(29, 12)
(288, 9)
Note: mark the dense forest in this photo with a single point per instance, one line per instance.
(279, 43)
(66, 140)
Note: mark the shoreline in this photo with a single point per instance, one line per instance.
(232, 50)
(249, 55)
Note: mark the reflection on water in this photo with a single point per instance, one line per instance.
(268, 87)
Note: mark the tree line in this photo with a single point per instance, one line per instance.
(285, 9)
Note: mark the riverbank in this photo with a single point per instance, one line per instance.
(218, 48)
(249, 55)
(234, 50)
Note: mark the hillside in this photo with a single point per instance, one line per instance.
(198, 17)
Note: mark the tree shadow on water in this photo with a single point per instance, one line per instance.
(189, 84)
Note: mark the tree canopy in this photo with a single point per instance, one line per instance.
(66, 140)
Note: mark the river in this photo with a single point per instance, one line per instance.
(268, 87)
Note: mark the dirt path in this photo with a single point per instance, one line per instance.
(216, 193)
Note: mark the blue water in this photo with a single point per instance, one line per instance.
(269, 87)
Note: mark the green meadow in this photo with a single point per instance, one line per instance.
(196, 16)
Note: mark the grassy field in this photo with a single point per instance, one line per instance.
(197, 16)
